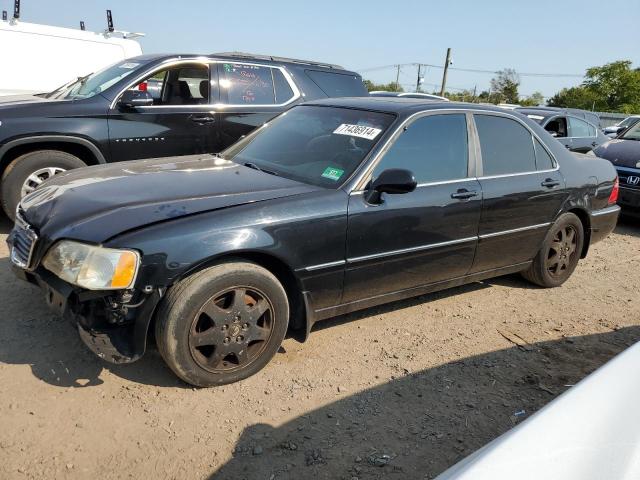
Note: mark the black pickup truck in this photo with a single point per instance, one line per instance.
(153, 106)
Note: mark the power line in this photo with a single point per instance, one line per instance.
(475, 70)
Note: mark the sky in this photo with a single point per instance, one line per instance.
(542, 36)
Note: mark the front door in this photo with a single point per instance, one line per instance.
(252, 95)
(425, 236)
(180, 121)
(523, 193)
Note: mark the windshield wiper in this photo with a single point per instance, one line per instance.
(256, 167)
(70, 84)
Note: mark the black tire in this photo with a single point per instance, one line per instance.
(19, 170)
(560, 253)
(209, 335)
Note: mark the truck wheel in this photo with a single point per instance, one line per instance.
(560, 252)
(28, 171)
(222, 324)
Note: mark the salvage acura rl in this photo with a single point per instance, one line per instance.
(333, 206)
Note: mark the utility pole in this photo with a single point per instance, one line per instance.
(475, 91)
(446, 69)
(418, 81)
(398, 78)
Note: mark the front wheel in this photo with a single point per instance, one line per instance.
(560, 252)
(222, 324)
(28, 171)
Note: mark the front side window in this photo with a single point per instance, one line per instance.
(433, 148)
(506, 146)
(633, 133)
(242, 84)
(578, 128)
(317, 145)
(557, 127)
(179, 85)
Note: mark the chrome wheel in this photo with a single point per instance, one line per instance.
(34, 180)
(231, 329)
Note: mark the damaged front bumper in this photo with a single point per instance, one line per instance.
(113, 324)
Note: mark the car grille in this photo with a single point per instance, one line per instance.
(629, 180)
(23, 241)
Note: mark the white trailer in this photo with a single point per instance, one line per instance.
(39, 58)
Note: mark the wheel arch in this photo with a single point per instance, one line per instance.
(80, 147)
(278, 267)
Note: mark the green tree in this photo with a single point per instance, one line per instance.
(533, 100)
(614, 87)
(388, 87)
(506, 85)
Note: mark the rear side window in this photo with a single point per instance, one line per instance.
(578, 128)
(282, 87)
(506, 146)
(543, 159)
(338, 84)
(434, 148)
(242, 84)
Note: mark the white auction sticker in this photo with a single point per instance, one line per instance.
(129, 65)
(361, 131)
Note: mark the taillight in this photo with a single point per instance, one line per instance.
(613, 198)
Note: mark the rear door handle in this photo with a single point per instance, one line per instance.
(550, 183)
(202, 119)
(464, 194)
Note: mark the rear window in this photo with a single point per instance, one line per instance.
(338, 84)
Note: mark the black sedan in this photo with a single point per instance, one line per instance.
(332, 207)
(576, 134)
(624, 153)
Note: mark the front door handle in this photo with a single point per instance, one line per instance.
(464, 194)
(594, 144)
(202, 119)
(550, 183)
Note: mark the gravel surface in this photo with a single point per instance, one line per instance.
(400, 391)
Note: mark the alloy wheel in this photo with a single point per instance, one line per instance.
(231, 329)
(562, 251)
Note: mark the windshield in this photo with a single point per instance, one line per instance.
(313, 144)
(632, 134)
(94, 83)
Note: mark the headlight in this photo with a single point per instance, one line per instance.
(93, 268)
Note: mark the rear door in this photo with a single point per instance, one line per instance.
(252, 94)
(181, 121)
(583, 135)
(523, 192)
(424, 236)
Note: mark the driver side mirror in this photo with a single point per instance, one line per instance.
(393, 181)
(135, 98)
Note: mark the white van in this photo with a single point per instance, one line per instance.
(39, 58)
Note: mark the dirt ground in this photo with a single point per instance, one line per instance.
(402, 391)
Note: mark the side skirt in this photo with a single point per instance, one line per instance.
(345, 308)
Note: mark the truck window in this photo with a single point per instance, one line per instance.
(181, 85)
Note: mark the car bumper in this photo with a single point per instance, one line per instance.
(123, 342)
(603, 222)
(629, 200)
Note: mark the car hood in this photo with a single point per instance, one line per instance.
(622, 153)
(9, 101)
(97, 203)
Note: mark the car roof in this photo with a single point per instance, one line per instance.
(542, 112)
(250, 57)
(399, 105)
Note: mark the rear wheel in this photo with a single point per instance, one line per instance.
(28, 171)
(560, 253)
(222, 324)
